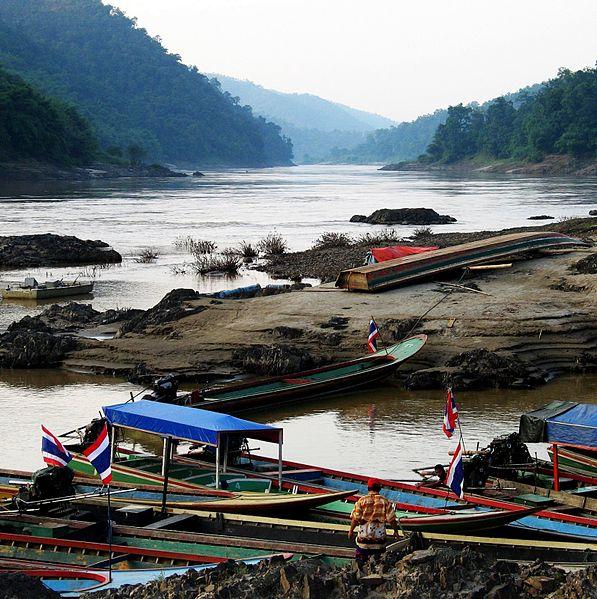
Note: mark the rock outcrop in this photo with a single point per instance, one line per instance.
(404, 216)
(274, 360)
(26, 251)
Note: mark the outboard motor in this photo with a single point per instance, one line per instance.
(164, 390)
(51, 483)
(92, 432)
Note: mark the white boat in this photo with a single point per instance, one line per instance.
(30, 289)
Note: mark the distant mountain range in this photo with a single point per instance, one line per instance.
(315, 126)
(130, 88)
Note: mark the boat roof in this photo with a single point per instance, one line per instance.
(561, 422)
(182, 422)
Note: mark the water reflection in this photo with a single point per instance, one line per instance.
(385, 431)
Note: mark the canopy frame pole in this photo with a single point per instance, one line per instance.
(218, 461)
(556, 468)
(166, 470)
(280, 460)
(225, 441)
(112, 443)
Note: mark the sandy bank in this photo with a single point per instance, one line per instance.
(527, 314)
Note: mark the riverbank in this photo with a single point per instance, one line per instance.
(32, 170)
(530, 321)
(424, 574)
(551, 165)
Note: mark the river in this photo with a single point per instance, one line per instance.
(384, 431)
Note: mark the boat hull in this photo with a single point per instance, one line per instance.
(347, 376)
(42, 293)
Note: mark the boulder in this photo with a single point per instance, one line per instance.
(25, 251)
(14, 585)
(198, 174)
(274, 360)
(404, 216)
(173, 306)
(34, 349)
(587, 265)
(477, 369)
(592, 212)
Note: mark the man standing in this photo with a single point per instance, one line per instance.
(372, 513)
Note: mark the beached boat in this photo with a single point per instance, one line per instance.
(401, 271)
(336, 378)
(30, 289)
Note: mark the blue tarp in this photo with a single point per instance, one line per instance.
(578, 426)
(561, 422)
(181, 422)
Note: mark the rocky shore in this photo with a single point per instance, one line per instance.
(44, 171)
(531, 321)
(424, 574)
(551, 165)
(28, 251)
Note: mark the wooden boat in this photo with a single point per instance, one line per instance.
(32, 290)
(576, 459)
(336, 378)
(548, 521)
(400, 271)
(72, 582)
(463, 522)
(207, 499)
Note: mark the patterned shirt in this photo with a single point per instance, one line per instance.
(373, 508)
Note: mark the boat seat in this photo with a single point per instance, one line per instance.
(259, 485)
(171, 523)
(302, 474)
(532, 499)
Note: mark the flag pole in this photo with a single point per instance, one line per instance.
(109, 538)
(380, 337)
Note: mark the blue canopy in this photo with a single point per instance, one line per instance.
(561, 422)
(191, 424)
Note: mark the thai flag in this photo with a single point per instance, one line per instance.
(52, 451)
(99, 455)
(450, 414)
(455, 478)
(373, 336)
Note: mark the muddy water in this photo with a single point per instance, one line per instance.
(385, 432)
(228, 206)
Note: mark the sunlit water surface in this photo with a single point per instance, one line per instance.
(385, 431)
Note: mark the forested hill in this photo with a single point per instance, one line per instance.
(130, 88)
(33, 126)
(408, 140)
(315, 125)
(560, 119)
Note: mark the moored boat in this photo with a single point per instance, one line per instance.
(30, 289)
(309, 384)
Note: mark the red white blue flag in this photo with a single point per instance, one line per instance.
(373, 336)
(99, 454)
(455, 478)
(52, 451)
(450, 414)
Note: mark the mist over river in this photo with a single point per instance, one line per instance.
(386, 430)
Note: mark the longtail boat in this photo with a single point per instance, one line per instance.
(244, 503)
(548, 521)
(576, 459)
(72, 582)
(335, 378)
(463, 522)
(400, 271)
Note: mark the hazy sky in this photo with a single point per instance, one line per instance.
(397, 58)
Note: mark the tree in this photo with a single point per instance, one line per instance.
(136, 154)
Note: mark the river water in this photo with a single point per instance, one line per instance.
(384, 431)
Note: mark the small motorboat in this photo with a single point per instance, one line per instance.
(31, 289)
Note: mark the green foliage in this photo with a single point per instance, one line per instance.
(560, 119)
(33, 126)
(131, 89)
